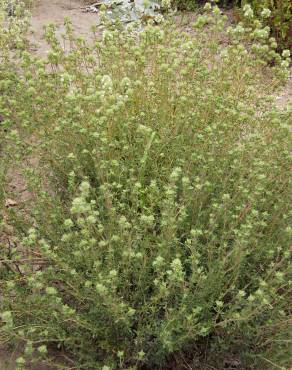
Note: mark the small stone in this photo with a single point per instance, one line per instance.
(10, 203)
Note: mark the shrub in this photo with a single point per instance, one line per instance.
(159, 215)
(279, 19)
(12, 39)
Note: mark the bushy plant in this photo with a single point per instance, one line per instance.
(12, 40)
(277, 14)
(279, 17)
(159, 216)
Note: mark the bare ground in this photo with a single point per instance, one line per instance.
(55, 11)
(285, 96)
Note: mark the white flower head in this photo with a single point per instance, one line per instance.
(266, 13)
(166, 4)
(286, 53)
(248, 12)
(106, 82)
(159, 19)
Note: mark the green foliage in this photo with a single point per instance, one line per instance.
(2, 179)
(279, 20)
(159, 216)
(12, 32)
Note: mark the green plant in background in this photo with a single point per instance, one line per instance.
(159, 213)
(279, 19)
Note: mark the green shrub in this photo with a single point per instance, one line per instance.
(279, 20)
(12, 39)
(160, 213)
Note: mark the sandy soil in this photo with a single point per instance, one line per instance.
(285, 96)
(55, 11)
